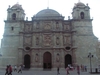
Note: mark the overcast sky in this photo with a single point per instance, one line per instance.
(64, 7)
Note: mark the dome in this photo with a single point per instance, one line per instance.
(80, 4)
(17, 6)
(47, 12)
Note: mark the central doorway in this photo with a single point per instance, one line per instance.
(27, 61)
(47, 60)
(68, 60)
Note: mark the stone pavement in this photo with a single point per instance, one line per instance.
(31, 72)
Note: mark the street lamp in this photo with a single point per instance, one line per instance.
(90, 56)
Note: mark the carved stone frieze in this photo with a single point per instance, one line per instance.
(47, 40)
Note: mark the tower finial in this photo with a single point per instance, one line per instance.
(48, 5)
(78, 0)
(17, 1)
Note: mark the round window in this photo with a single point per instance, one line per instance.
(67, 48)
(27, 48)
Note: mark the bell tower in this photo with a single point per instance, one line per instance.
(82, 36)
(81, 11)
(15, 12)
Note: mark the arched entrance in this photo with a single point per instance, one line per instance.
(68, 60)
(27, 61)
(47, 60)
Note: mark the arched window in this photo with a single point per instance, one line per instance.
(13, 16)
(82, 15)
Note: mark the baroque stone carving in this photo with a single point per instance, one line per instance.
(47, 40)
(47, 25)
(27, 40)
(66, 40)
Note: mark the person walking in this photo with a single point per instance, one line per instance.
(10, 70)
(78, 70)
(85, 67)
(15, 68)
(20, 69)
(58, 71)
(67, 70)
(7, 67)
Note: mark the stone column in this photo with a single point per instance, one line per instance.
(53, 59)
(62, 58)
(41, 60)
(32, 58)
(74, 57)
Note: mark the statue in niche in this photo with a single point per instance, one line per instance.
(47, 40)
(57, 25)
(57, 40)
(37, 40)
(82, 15)
(36, 58)
(57, 58)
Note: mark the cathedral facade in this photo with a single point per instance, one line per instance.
(48, 41)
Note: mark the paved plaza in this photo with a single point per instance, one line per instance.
(31, 72)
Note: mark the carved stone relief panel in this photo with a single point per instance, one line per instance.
(37, 40)
(47, 40)
(57, 40)
(67, 40)
(28, 27)
(47, 25)
(27, 41)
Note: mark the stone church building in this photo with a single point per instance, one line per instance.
(49, 41)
